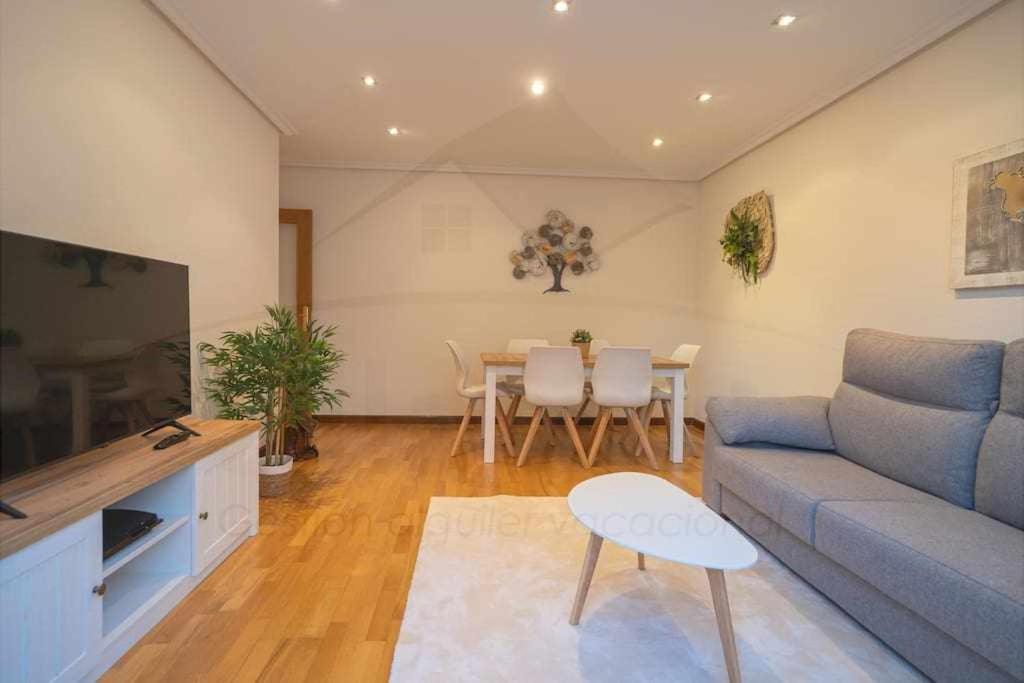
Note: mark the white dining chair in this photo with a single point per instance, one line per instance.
(553, 379)
(473, 393)
(513, 385)
(661, 392)
(622, 379)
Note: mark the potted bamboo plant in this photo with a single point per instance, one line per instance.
(277, 374)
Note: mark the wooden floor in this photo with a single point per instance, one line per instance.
(319, 594)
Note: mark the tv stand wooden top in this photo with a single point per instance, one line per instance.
(66, 491)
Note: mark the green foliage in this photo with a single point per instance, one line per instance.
(277, 374)
(581, 336)
(741, 245)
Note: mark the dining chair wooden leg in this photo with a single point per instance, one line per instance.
(506, 434)
(720, 598)
(602, 424)
(549, 423)
(513, 409)
(462, 426)
(538, 413)
(666, 412)
(645, 419)
(570, 426)
(634, 420)
(583, 406)
(589, 563)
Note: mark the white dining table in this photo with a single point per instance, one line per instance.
(514, 364)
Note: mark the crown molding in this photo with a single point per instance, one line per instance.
(917, 43)
(188, 29)
(477, 169)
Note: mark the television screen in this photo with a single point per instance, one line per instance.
(94, 346)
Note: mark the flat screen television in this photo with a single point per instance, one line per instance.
(94, 347)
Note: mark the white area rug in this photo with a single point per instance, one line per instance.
(494, 583)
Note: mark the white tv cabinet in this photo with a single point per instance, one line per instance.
(66, 614)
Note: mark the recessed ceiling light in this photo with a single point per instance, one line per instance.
(657, 142)
(369, 81)
(704, 97)
(393, 131)
(537, 87)
(784, 20)
(561, 6)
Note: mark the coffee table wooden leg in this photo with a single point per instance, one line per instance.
(716, 577)
(641, 563)
(589, 562)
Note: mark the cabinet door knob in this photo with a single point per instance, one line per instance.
(100, 589)
(204, 515)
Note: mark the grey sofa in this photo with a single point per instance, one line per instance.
(901, 498)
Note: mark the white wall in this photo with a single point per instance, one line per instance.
(117, 133)
(862, 194)
(404, 261)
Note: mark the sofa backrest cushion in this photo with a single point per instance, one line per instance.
(939, 372)
(932, 449)
(999, 491)
(915, 409)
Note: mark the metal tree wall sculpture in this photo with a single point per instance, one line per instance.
(555, 246)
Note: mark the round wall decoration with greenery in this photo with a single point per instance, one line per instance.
(748, 243)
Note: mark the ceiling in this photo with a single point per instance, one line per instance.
(454, 75)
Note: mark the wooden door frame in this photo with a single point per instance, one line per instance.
(302, 219)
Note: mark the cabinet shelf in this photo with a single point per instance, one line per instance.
(141, 545)
(131, 594)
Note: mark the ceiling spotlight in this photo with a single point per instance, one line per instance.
(538, 87)
(369, 81)
(784, 21)
(657, 142)
(561, 6)
(393, 131)
(704, 97)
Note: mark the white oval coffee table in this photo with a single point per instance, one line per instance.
(647, 514)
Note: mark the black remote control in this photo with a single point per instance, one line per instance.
(12, 511)
(168, 441)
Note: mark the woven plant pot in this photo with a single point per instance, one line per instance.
(274, 478)
(584, 348)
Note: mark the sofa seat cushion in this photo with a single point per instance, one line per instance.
(956, 568)
(787, 484)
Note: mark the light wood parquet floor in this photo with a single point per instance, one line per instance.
(319, 594)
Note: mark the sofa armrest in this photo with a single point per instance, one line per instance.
(798, 421)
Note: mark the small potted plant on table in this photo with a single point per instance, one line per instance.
(276, 374)
(581, 339)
